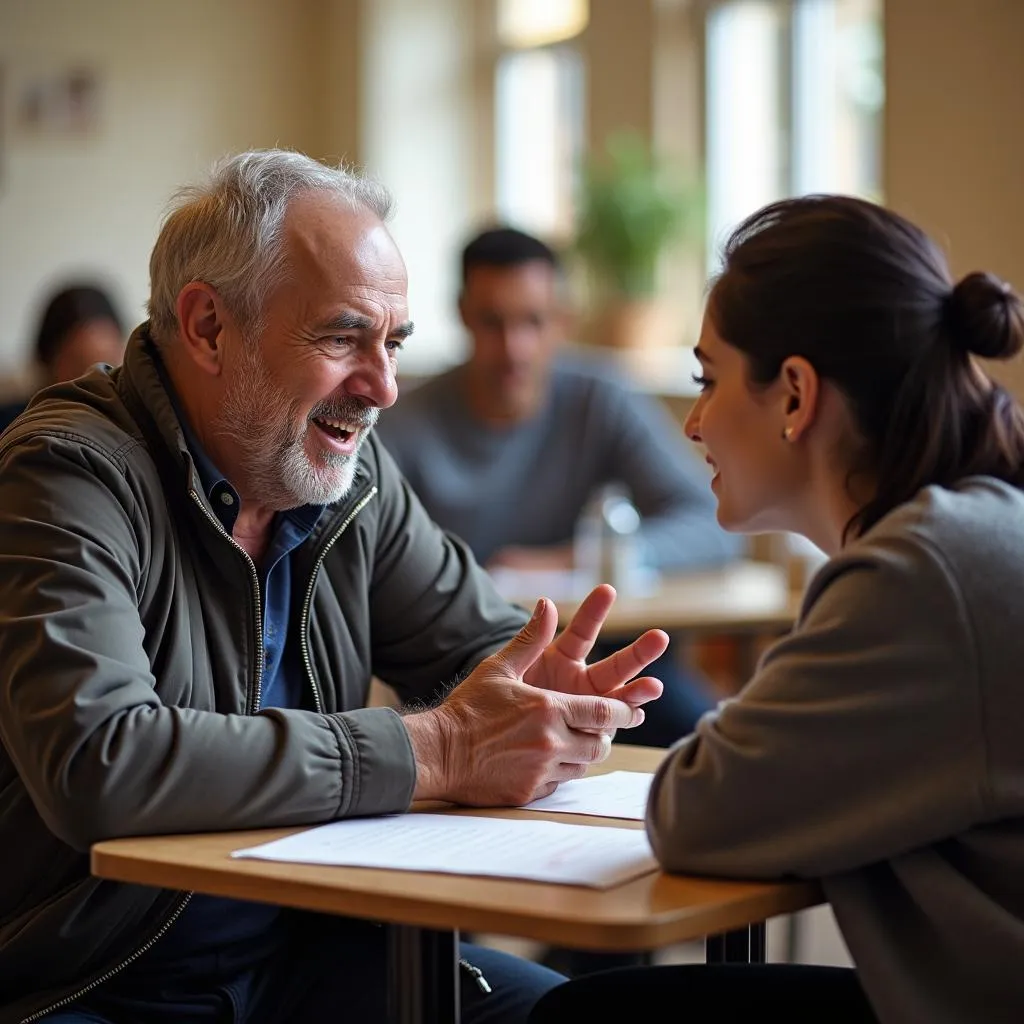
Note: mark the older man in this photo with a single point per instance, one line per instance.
(204, 557)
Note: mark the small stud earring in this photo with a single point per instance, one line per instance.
(787, 434)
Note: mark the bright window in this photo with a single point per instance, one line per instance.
(538, 137)
(794, 101)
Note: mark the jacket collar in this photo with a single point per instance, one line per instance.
(145, 394)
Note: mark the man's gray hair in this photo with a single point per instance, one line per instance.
(228, 231)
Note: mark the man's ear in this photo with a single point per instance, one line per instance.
(801, 392)
(202, 319)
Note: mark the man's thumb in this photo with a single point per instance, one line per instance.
(529, 643)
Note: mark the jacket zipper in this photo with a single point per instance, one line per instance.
(476, 974)
(253, 707)
(254, 704)
(107, 975)
(308, 600)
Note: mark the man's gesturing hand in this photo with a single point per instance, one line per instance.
(497, 740)
(563, 665)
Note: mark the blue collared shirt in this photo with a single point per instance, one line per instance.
(283, 678)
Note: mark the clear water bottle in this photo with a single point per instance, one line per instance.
(606, 546)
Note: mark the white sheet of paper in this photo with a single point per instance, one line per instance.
(612, 795)
(543, 851)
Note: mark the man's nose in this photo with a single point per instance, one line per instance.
(373, 379)
(517, 342)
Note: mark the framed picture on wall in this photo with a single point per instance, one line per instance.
(60, 103)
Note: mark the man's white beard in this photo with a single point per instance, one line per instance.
(278, 472)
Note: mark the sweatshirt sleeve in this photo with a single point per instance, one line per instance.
(860, 736)
(81, 718)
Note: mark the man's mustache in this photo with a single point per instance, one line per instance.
(347, 410)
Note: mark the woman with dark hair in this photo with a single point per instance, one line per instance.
(878, 747)
(78, 329)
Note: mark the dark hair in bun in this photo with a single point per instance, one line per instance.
(866, 297)
(986, 317)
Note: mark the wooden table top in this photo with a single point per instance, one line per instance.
(744, 597)
(650, 912)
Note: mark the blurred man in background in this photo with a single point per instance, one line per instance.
(79, 328)
(506, 449)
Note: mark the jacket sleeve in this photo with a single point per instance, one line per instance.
(668, 485)
(436, 612)
(860, 736)
(80, 717)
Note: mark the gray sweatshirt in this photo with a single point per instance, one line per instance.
(526, 484)
(880, 748)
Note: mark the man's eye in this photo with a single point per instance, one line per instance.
(701, 381)
(340, 339)
(394, 345)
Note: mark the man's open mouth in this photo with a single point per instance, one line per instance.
(338, 429)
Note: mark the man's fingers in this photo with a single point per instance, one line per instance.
(585, 748)
(568, 771)
(565, 772)
(529, 643)
(541, 791)
(638, 691)
(578, 638)
(598, 714)
(628, 662)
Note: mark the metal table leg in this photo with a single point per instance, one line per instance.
(743, 946)
(423, 976)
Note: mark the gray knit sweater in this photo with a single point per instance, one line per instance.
(880, 747)
(526, 484)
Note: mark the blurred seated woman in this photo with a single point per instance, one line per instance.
(879, 746)
(79, 328)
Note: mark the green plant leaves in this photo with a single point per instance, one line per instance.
(631, 209)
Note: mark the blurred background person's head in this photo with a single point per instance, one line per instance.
(79, 328)
(512, 305)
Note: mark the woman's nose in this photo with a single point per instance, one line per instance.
(691, 427)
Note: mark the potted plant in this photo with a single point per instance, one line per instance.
(632, 210)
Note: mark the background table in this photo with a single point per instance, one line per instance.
(426, 911)
(747, 600)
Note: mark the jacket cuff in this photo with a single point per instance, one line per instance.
(378, 768)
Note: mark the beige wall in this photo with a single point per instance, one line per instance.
(184, 81)
(954, 134)
(619, 44)
(188, 80)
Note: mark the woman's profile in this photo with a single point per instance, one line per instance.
(878, 747)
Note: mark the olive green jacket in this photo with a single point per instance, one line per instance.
(130, 658)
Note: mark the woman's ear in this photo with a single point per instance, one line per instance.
(801, 392)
